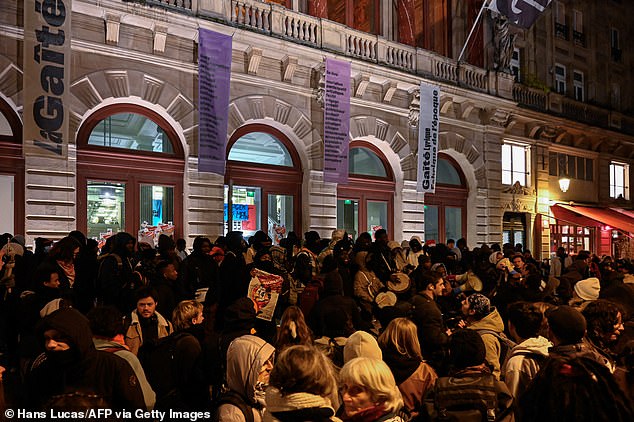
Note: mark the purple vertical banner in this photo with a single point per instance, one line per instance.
(214, 78)
(336, 121)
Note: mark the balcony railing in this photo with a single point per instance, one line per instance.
(275, 20)
(579, 38)
(561, 30)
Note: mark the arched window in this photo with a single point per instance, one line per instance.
(264, 176)
(366, 203)
(130, 172)
(261, 148)
(446, 209)
(11, 171)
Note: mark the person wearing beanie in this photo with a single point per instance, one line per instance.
(485, 319)
(467, 356)
(566, 330)
(585, 291)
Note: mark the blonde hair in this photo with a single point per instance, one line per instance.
(184, 312)
(376, 378)
(401, 335)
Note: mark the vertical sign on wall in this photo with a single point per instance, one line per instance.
(428, 125)
(214, 78)
(336, 121)
(47, 37)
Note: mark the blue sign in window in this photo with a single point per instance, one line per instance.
(240, 212)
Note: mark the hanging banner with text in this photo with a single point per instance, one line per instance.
(47, 36)
(428, 125)
(336, 121)
(214, 78)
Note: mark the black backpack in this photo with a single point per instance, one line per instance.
(160, 367)
(469, 399)
(235, 399)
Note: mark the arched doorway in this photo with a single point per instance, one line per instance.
(11, 171)
(130, 166)
(446, 209)
(366, 203)
(264, 175)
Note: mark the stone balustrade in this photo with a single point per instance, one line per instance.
(273, 19)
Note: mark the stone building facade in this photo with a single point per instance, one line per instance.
(136, 59)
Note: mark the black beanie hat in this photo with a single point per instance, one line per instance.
(567, 323)
(466, 349)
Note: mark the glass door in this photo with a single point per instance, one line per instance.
(376, 216)
(348, 216)
(432, 224)
(7, 199)
(245, 209)
(157, 205)
(280, 216)
(453, 223)
(106, 208)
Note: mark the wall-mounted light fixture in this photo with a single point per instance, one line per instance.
(564, 184)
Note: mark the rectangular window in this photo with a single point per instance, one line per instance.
(515, 64)
(348, 216)
(246, 205)
(552, 164)
(577, 80)
(560, 13)
(280, 216)
(619, 180)
(560, 79)
(376, 216)
(577, 21)
(431, 223)
(515, 164)
(614, 38)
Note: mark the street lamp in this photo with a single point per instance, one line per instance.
(564, 184)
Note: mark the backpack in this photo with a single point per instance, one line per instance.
(235, 399)
(309, 296)
(469, 399)
(506, 344)
(160, 367)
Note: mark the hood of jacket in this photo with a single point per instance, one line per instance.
(245, 357)
(120, 241)
(538, 345)
(71, 324)
(361, 344)
(493, 321)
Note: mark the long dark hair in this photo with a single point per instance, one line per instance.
(293, 329)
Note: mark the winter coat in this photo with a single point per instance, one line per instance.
(431, 332)
(492, 322)
(122, 351)
(556, 269)
(199, 271)
(245, 358)
(82, 368)
(116, 279)
(414, 379)
(524, 362)
(134, 335)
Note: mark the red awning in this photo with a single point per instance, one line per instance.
(594, 217)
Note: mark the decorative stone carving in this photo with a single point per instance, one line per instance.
(112, 28)
(503, 42)
(362, 81)
(160, 38)
(518, 189)
(289, 65)
(414, 108)
(254, 56)
(500, 117)
(319, 79)
(389, 90)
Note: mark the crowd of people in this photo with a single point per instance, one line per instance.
(365, 330)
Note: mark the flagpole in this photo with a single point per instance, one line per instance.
(473, 27)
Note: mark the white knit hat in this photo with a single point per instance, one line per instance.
(588, 289)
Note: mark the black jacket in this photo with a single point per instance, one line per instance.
(82, 368)
(431, 331)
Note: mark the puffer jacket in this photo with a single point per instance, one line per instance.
(524, 362)
(245, 357)
(493, 321)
